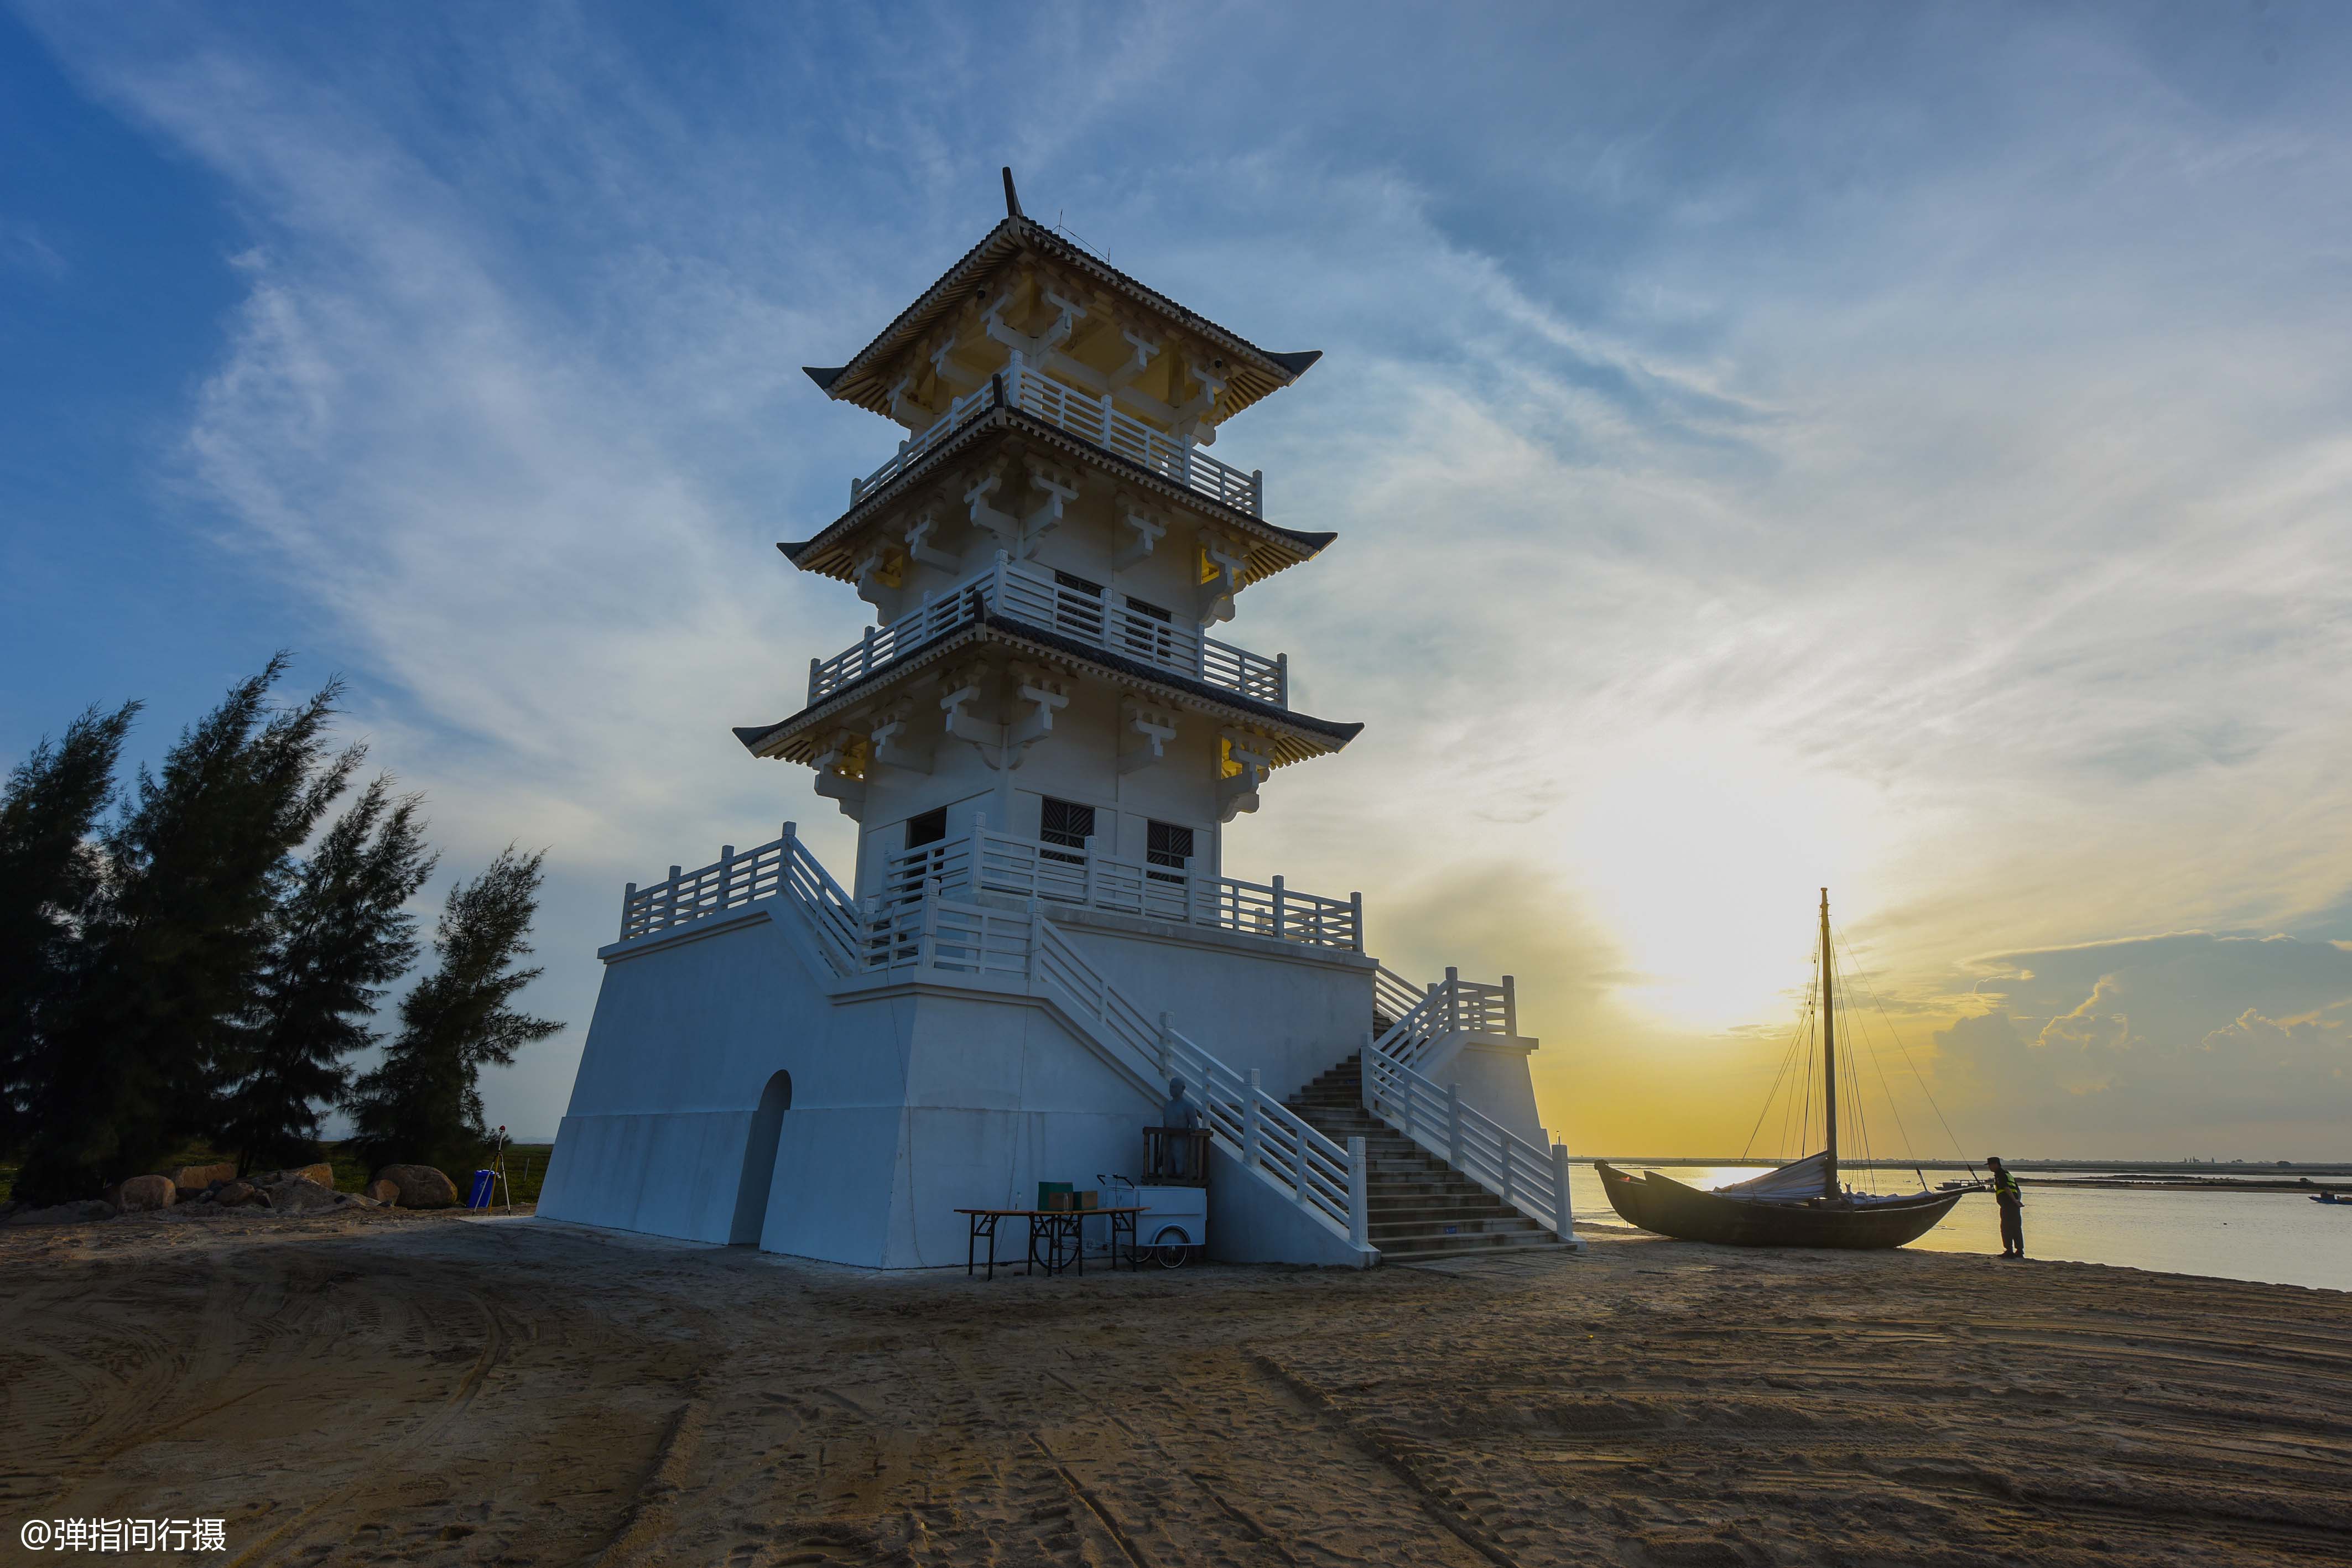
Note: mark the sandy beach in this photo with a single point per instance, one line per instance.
(398, 1387)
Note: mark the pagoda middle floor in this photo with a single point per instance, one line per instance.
(773, 1061)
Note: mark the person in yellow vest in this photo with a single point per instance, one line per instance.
(2012, 1201)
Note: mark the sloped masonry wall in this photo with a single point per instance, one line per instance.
(687, 1034)
(1288, 1011)
(1491, 1071)
(910, 1099)
(907, 1102)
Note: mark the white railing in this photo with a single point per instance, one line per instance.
(916, 927)
(783, 866)
(1267, 1135)
(935, 934)
(1098, 617)
(983, 861)
(1450, 1006)
(1393, 996)
(970, 406)
(1257, 1129)
(1532, 1180)
(928, 931)
(1090, 417)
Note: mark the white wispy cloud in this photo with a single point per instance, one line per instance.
(1907, 455)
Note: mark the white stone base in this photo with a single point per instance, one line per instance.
(908, 1098)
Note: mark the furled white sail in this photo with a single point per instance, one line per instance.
(1792, 1183)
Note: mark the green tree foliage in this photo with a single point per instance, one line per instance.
(50, 876)
(424, 1103)
(341, 932)
(165, 1003)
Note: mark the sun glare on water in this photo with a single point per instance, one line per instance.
(1703, 855)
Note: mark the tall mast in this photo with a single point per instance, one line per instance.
(1829, 1055)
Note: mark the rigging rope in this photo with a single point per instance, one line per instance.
(1905, 1051)
(1781, 1075)
(1854, 1083)
(1773, 1094)
(1812, 1043)
(1878, 1061)
(1794, 1140)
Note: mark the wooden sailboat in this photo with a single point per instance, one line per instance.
(1800, 1204)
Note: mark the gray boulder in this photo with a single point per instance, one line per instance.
(300, 1197)
(238, 1194)
(193, 1179)
(317, 1176)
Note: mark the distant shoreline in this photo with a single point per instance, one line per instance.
(2272, 1170)
(2144, 1175)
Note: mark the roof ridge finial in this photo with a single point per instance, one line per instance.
(1012, 197)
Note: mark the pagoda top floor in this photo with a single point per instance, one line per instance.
(1070, 314)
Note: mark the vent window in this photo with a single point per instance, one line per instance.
(928, 828)
(1167, 844)
(1067, 823)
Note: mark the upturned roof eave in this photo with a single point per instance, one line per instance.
(1315, 736)
(1298, 546)
(1002, 241)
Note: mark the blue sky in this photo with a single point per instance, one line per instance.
(1904, 448)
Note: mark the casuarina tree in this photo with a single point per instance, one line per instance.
(51, 876)
(165, 999)
(423, 1104)
(341, 931)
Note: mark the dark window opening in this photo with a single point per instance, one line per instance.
(1078, 606)
(1067, 823)
(1165, 843)
(1142, 630)
(928, 828)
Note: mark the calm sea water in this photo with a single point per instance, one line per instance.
(2278, 1238)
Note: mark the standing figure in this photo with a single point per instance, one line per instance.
(1178, 1114)
(2012, 1208)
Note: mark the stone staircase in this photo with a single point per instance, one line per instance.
(1421, 1207)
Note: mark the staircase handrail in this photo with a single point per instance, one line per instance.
(1421, 1025)
(1255, 1127)
(781, 866)
(1263, 1133)
(1450, 1006)
(924, 930)
(1393, 996)
(1531, 1180)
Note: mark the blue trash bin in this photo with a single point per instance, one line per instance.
(480, 1197)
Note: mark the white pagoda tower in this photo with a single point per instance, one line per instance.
(1041, 743)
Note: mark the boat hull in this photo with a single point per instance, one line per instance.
(1667, 1207)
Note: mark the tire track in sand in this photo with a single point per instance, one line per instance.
(495, 1339)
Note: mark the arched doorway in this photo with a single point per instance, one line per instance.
(759, 1162)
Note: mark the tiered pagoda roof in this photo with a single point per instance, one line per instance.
(1256, 372)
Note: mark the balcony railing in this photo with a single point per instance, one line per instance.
(986, 861)
(865, 935)
(1089, 417)
(1100, 618)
